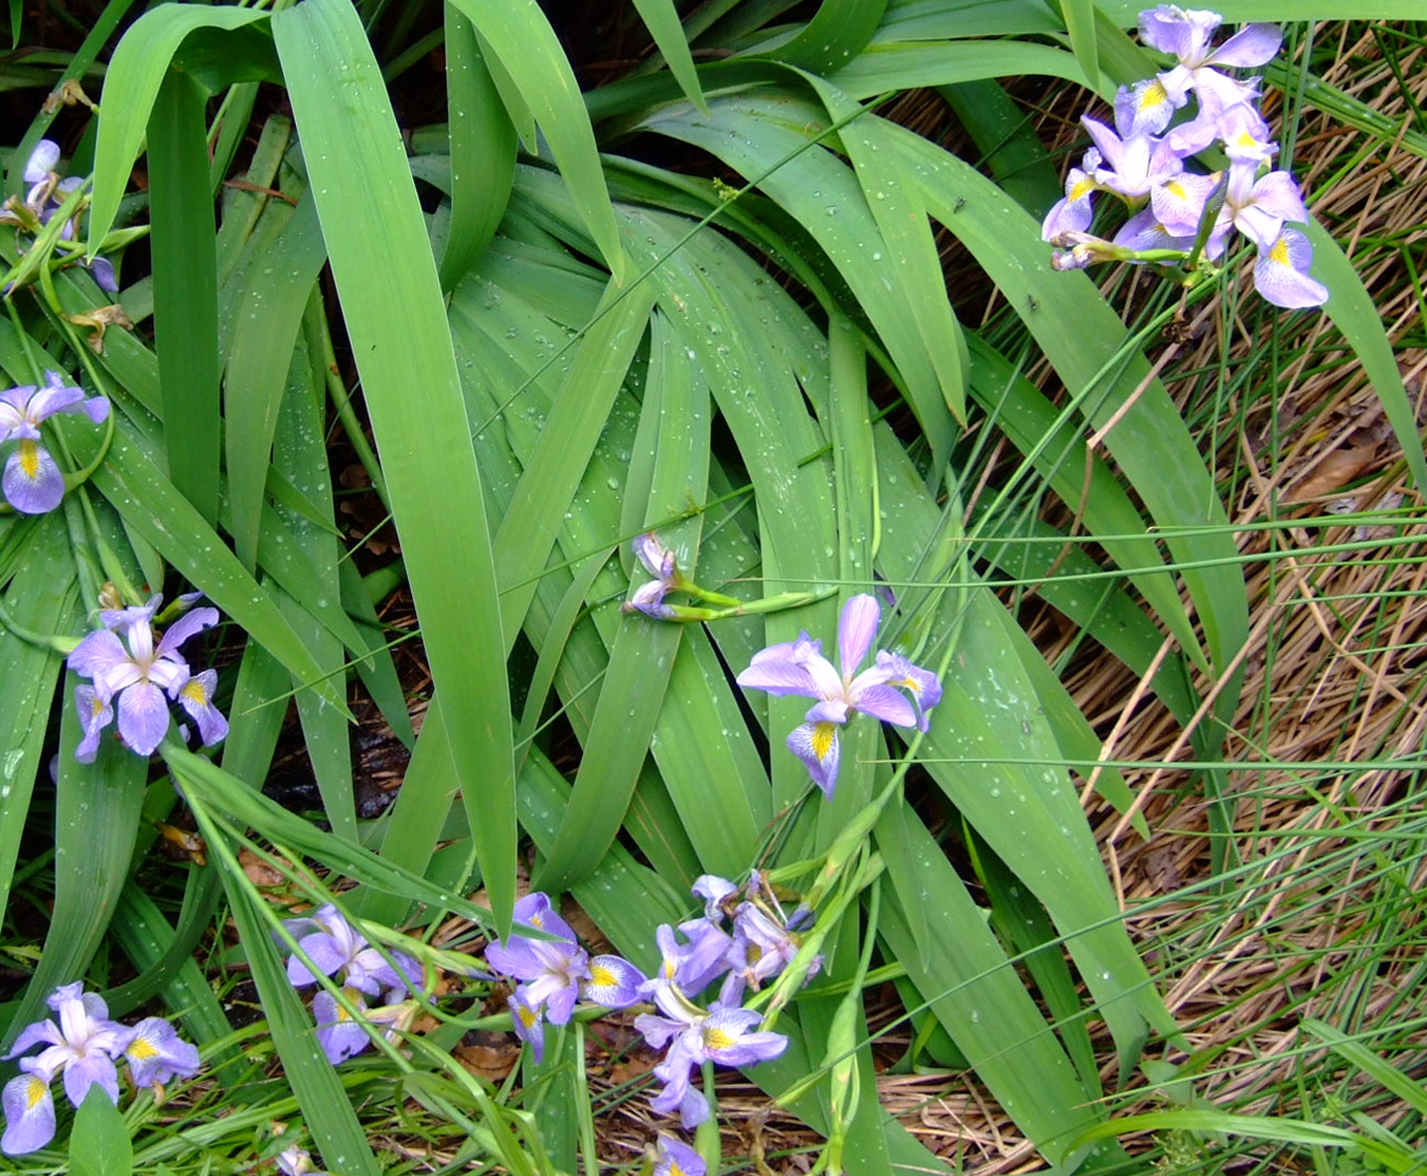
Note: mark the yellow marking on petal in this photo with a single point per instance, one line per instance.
(602, 977)
(343, 1014)
(1175, 188)
(1081, 190)
(141, 1048)
(1278, 252)
(527, 1016)
(674, 1169)
(716, 1038)
(30, 459)
(195, 690)
(97, 707)
(823, 736)
(1153, 95)
(536, 921)
(35, 1092)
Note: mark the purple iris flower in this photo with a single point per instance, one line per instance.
(340, 1035)
(674, 1158)
(155, 1053)
(1179, 204)
(139, 676)
(798, 667)
(691, 966)
(555, 973)
(1281, 272)
(694, 1037)
(32, 482)
(1258, 205)
(1187, 33)
(1134, 163)
(334, 946)
(551, 970)
(82, 1046)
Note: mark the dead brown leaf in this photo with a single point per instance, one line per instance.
(259, 872)
(491, 1058)
(1332, 472)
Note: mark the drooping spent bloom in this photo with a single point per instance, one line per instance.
(799, 668)
(139, 674)
(337, 949)
(765, 941)
(45, 197)
(555, 973)
(718, 894)
(661, 563)
(296, 1161)
(675, 1158)
(84, 1046)
(32, 482)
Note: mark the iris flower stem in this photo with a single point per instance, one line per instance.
(706, 1136)
(64, 645)
(778, 603)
